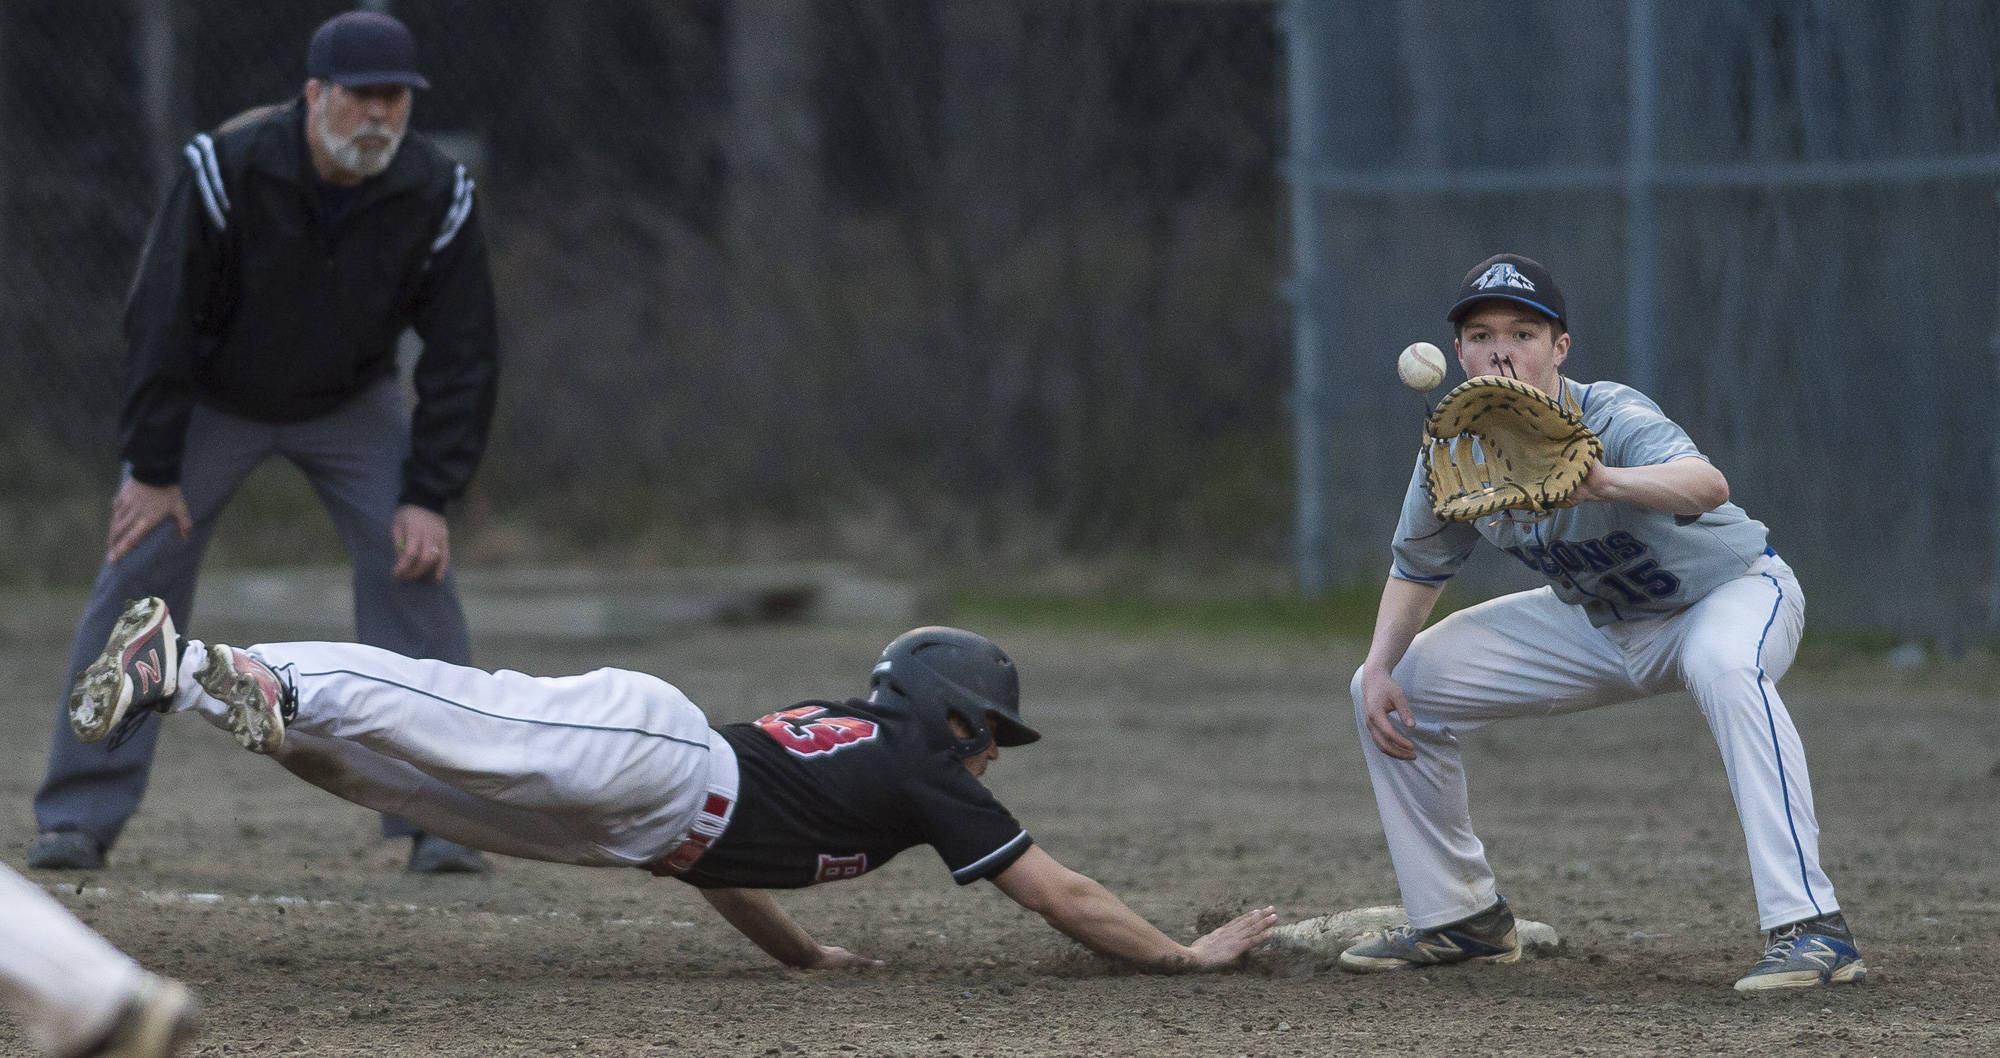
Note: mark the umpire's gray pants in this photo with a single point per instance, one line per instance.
(353, 456)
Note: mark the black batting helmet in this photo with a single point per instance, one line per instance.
(941, 672)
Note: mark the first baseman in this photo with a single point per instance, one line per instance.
(618, 768)
(1656, 582)
(297, 244)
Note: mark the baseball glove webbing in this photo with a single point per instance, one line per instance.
(1498, 444)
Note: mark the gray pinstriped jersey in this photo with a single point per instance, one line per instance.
(1616, 560)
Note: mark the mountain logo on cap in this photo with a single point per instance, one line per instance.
(1503, 275)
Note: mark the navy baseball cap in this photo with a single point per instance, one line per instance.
(1515, 278)
(362, 48)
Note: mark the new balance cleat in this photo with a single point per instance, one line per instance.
(1487, 937)
(260, 704)
(137, 671)
(1816, 951)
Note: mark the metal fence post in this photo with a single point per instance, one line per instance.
(1642, 216)
(1311, 544)
(1993, 518)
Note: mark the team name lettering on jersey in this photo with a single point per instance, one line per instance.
(1618, 561)
(806, 732)
(835, 868)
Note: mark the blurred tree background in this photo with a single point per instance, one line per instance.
(1000, 287)
(894, 282)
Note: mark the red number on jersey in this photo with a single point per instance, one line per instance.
(808, 734)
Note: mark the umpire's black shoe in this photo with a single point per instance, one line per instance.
(430, 854)
(66, 849)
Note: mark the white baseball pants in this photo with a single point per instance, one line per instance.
(609, 768)
(1530, 654)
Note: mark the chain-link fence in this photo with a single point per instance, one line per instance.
(991, 278)
(1777, 217)
(966, 276)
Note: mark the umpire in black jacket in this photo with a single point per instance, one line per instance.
(297, 244)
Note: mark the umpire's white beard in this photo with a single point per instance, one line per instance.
(348, 154)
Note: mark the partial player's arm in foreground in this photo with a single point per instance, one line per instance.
(75, 994)
(1091, 915)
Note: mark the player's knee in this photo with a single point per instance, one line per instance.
(1720, 679)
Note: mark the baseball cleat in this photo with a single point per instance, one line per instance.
(1816, 951)
(138, 670)
(260, 704)
(160, 1019)
(1486, 937)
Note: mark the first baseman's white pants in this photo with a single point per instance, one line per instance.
(1531, 654)
(610, 768)
(65, 982)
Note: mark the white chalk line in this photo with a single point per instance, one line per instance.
(77, 893)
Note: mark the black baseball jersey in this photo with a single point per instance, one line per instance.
(834, 790)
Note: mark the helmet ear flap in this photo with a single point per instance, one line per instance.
(964, 735)
(944, 675)
(966, 747)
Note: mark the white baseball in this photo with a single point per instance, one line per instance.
(1421, 367)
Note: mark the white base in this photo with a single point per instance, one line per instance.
(1330, 934)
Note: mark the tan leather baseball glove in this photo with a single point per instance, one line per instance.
(1496, 444)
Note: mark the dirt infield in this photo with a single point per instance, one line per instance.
(1194, 776)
